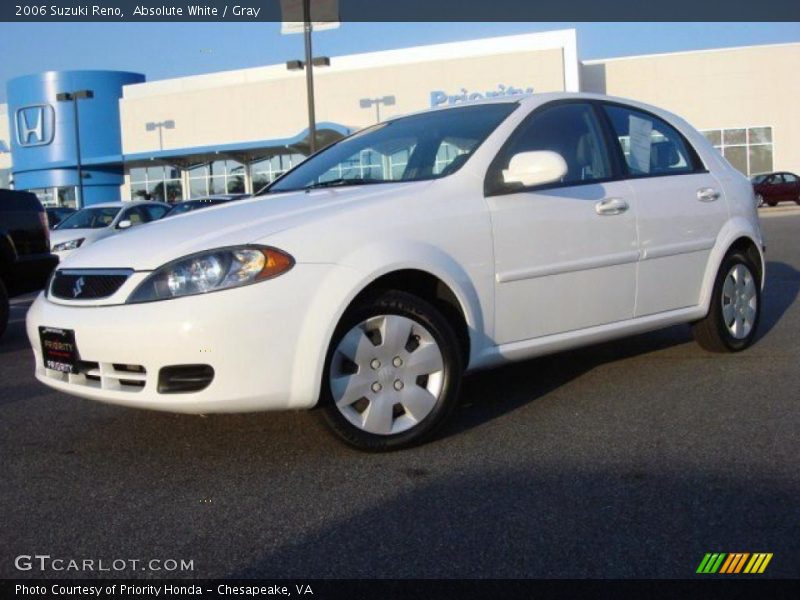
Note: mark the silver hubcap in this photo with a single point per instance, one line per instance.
(386, 374)
(739, 301)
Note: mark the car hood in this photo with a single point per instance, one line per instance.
(253, 220)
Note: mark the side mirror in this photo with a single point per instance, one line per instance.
(535, 168)
(126, 224)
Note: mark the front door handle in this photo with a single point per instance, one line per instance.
(707, 194)
(611, 206)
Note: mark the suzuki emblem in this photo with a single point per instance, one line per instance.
(76, 291)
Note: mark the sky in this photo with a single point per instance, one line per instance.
(164, 50)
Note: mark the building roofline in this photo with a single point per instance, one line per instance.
(596, 61)
(564, 39)
(222, 149)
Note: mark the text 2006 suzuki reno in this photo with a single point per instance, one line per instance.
(371, 276)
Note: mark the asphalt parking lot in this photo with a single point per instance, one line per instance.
(627, 459)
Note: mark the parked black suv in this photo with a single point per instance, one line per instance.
(25, 259)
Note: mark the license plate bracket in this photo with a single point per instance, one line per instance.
(59, 350)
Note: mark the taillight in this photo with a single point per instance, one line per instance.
(45, 227)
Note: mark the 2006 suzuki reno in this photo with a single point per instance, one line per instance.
(368, 279)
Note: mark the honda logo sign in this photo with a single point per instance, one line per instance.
(35, 125)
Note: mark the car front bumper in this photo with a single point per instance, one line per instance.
(250, 336)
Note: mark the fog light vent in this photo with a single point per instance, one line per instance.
(181, 379)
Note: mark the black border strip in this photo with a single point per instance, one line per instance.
(409, 10)
(429, 589)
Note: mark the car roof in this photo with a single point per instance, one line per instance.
(123, 204)
(207, 198)
(218, 197)
(539, 98)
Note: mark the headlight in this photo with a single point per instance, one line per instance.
(211, 271)
(70, 245)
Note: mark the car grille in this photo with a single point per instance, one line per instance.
(104, 376)
(88, 284)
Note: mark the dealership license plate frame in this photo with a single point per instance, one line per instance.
(63, 358)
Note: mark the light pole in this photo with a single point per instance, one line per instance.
(385, 100)
(74, 97)
(160, 125)
(309, 63)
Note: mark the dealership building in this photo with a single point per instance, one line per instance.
(235, 131)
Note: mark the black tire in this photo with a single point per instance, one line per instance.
(772, 204)
(420, 311)
(3, 308)
(712, 333)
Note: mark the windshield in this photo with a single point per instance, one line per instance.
(759, 178)
(424, 146)
(90, 218)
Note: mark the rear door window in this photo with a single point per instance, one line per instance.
(650, 145)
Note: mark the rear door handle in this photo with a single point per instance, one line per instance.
(707, 194)
(611, 206)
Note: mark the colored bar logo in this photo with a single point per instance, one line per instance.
(732, 563)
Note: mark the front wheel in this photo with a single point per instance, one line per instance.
(392, 373)
(733, 316)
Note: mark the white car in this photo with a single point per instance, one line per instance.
(372, 275)
(100, 221)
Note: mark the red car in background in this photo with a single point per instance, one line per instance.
(771, 188)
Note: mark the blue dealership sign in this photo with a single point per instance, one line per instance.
(43, 142)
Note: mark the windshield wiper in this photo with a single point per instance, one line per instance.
(342, 182)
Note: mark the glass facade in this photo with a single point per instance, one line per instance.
(46, 196)
(748, 149)
(58, 196)
(217, 177)
(160, 183)
(171, 184)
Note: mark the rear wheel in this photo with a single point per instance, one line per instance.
(733, 316)
(3, 308)
(392, 373)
